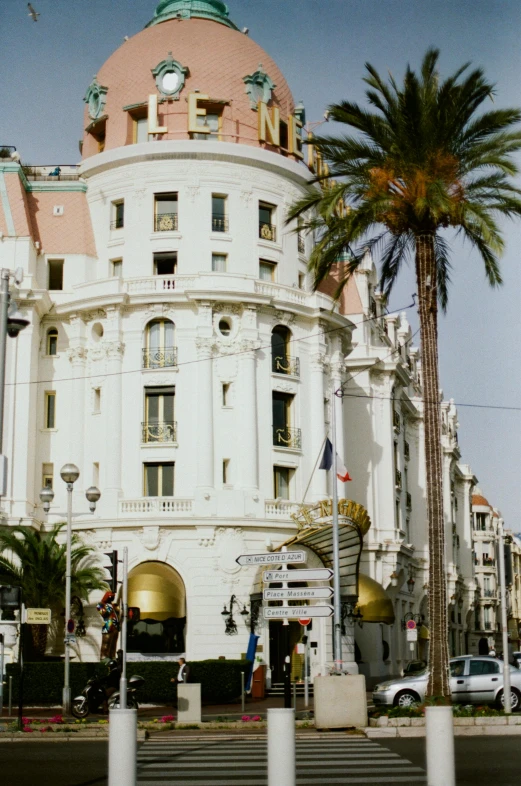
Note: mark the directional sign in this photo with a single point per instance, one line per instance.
(296, 612)
(277, 558)
(305, 593)
(38, 616)
(306, 574)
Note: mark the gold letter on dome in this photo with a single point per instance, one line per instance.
(153, 120)
(295, 138)
(269, 125)
(195, 111)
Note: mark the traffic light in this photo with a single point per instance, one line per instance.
(113, 570)
(10, 598)
(133, 614)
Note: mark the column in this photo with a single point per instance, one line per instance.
(248, 442)
(317, 425)
(204, 409)
(76, 390)
(112, 407)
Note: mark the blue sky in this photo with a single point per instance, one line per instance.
(321, 47)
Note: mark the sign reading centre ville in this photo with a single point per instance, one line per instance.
(296, 612)
(271, 558)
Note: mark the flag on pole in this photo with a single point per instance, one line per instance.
(327, 462)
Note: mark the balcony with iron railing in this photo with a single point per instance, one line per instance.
(161, 431)
(166, 222)
(408, 501)
(220, 224)
(398, 479)
(284, 364)
(487, 626)
(286, 437)
(489, 562)
(301, 244)
(160, 358)
(489, 593)
(406, 450)
(372, 308)
(267, 231)
(118, 223)
(396, 422)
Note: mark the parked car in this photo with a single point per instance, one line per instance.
(414, 667)
(474, 679)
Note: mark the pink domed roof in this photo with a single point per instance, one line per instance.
(217, 58)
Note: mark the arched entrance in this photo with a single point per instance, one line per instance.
(159, 592)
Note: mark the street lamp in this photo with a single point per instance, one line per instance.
(69, 473)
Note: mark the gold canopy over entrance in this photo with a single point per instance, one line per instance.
(157, 590)
(315, 532)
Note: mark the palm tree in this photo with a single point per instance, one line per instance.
(37, 563)
(422, 161)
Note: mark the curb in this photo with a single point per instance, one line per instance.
(459, 731)
(38, 736)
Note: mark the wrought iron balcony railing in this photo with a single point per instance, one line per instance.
(301, 244)
(372, 308)
(162, 431)
(220, 224)
(398, 479)
(283, 364)
(489, 593)
(166, 222)
(117, 223)
(406, 450)
(160, 358)
(489, 561)
(267, 231)
(287, 437)
(487, 626)
(396, 422)
(408, 501)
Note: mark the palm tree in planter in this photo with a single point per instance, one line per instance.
(36, 562)
(425, 159)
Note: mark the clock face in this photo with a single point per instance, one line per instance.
(170, 82)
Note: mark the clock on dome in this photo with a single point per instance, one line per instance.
(170, 77)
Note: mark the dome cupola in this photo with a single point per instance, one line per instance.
(215, 10)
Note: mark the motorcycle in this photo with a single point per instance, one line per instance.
(94, 695)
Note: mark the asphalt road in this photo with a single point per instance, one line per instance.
(481, 761)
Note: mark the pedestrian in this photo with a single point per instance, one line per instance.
(183, 675)
(492, 652)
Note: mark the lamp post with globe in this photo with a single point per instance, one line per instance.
(69, 473)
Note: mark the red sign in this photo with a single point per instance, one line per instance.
(411, 625)
(70, 626)
(305, 622)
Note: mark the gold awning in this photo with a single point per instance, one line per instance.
(373, 601)
(157, 590)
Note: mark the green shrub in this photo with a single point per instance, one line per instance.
(43, 682)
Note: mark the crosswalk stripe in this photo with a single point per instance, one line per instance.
(243, 762)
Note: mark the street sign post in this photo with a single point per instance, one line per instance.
(300, 574)
(272, 558)
(38, 616)
(296, 612)
(300, 593)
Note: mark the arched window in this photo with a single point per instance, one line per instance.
(159, 350)
(52, 342)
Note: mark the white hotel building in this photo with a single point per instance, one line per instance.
(177, 355)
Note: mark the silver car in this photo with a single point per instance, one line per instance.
(473, 680)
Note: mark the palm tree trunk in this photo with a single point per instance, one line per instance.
(428, 312)
(39, 634)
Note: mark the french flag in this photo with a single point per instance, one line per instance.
(327, 462)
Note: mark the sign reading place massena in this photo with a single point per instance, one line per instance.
(306, 593)
(277, 558)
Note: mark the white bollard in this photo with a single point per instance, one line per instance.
(281, 747)
(122, 747)
(439, 740)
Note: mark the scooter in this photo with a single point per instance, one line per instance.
(134, 683)
(93, 697)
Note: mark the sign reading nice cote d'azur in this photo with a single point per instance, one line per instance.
(269, 123)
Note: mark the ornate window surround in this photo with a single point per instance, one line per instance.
(169, 66)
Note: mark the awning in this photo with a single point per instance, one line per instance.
(373, 601)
